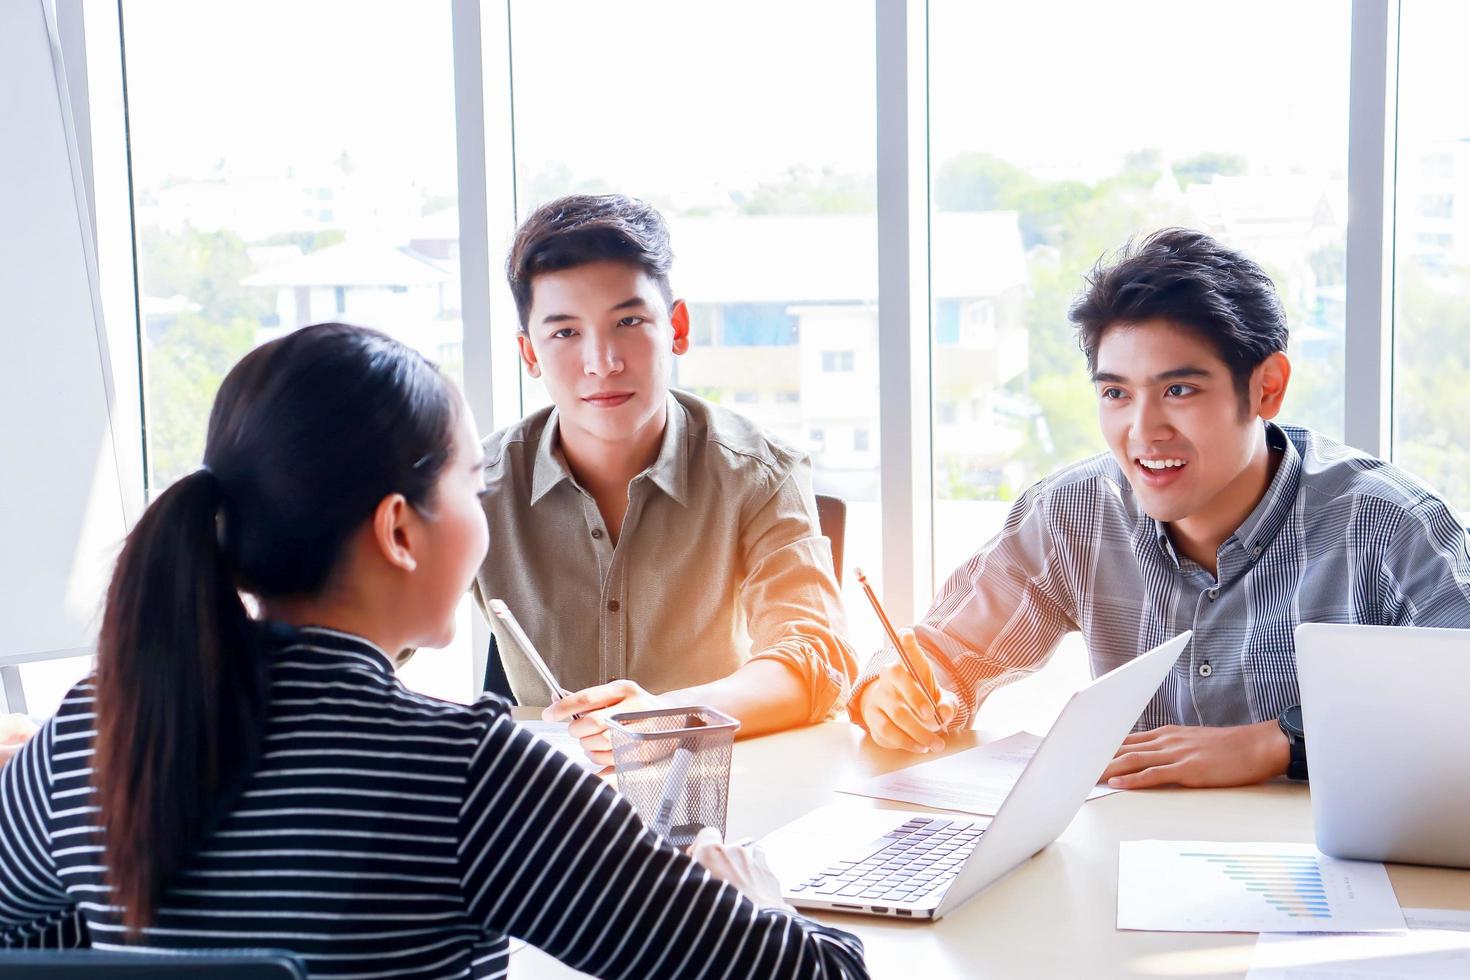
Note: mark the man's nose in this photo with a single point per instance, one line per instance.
(601, 357)
(1150, 423)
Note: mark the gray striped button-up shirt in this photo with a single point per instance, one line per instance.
(1339, 537)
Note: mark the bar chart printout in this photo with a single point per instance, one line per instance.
(1290, 883)
(1199, 886)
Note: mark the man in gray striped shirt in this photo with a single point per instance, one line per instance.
(1203, 515)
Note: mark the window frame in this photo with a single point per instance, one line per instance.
(483, 52)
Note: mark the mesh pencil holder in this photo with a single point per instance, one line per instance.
(673, 765)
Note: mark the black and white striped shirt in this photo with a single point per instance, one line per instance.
(388, 834)
(1339, 537)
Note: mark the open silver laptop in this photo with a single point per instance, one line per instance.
(1386, 710)
(915, 864)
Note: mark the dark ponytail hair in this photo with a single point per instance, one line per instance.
(307, 435)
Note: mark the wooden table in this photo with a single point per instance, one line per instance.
(1055, 916)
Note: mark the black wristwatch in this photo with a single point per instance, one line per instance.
(1290, 721)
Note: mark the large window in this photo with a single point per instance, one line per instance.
(1107, 123)
(296, 162)
(1431, 396)
(759, 150)
(291, 163)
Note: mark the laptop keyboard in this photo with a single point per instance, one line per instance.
(904, 865)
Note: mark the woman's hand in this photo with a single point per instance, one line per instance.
(15, 731)
(743, 867)
(596, 705)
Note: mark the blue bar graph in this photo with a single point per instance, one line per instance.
(1288, 883)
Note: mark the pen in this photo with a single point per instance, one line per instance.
(502, 612)
(893, 637)
(676, 780)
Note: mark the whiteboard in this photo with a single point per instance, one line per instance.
(62, 510)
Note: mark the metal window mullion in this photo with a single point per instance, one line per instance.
(485, 174)
(905, 457)
(91, 51)
(12, 691)
(1372, 125)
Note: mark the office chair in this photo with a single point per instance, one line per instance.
(832, 518)
(87, 964)
(496, 682)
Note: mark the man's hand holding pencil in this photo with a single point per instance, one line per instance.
(904, 708)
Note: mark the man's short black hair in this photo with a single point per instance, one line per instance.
(583, 228)
(1192, 279)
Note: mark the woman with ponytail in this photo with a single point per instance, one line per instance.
(229, 781)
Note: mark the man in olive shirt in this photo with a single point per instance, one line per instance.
(658, 549)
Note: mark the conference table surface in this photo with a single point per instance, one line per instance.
(1056, 915)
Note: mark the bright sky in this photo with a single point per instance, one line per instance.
(683, 99)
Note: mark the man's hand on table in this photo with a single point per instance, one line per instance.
(1199, 756)
(596, 705)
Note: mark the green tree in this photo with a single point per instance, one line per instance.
(802, 190)
(1432, 379)
(554, 181)
(205, 266)
(187, 357)
(982, 182)
(185, 366)
(1205, 167)
(308, 241)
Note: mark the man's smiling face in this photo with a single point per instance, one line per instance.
(1174, 419)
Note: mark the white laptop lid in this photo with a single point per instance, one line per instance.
(1386, 710)
(1066, 766)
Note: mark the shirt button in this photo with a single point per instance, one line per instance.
(1205, 670)
(597, 532)
(1212, 593)
(612, 605)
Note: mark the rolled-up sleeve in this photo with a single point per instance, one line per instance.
(997, 618)
(792, 603)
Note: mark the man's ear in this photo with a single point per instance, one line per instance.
(391, 533)
(1272, 376)
(528, 354)
(679, 317)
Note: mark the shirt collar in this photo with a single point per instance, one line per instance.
(346, 648)
(1265, 522)
(669, 471)
(550, 466)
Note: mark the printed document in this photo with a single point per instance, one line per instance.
(974, 781)
(1211, 886)
(555, 734)
(1436, 947)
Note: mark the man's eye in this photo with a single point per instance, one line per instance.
(564, 333)
(1179, 391)
(630, 321)
(1112, 393)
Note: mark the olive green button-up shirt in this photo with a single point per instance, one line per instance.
(720, 560)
